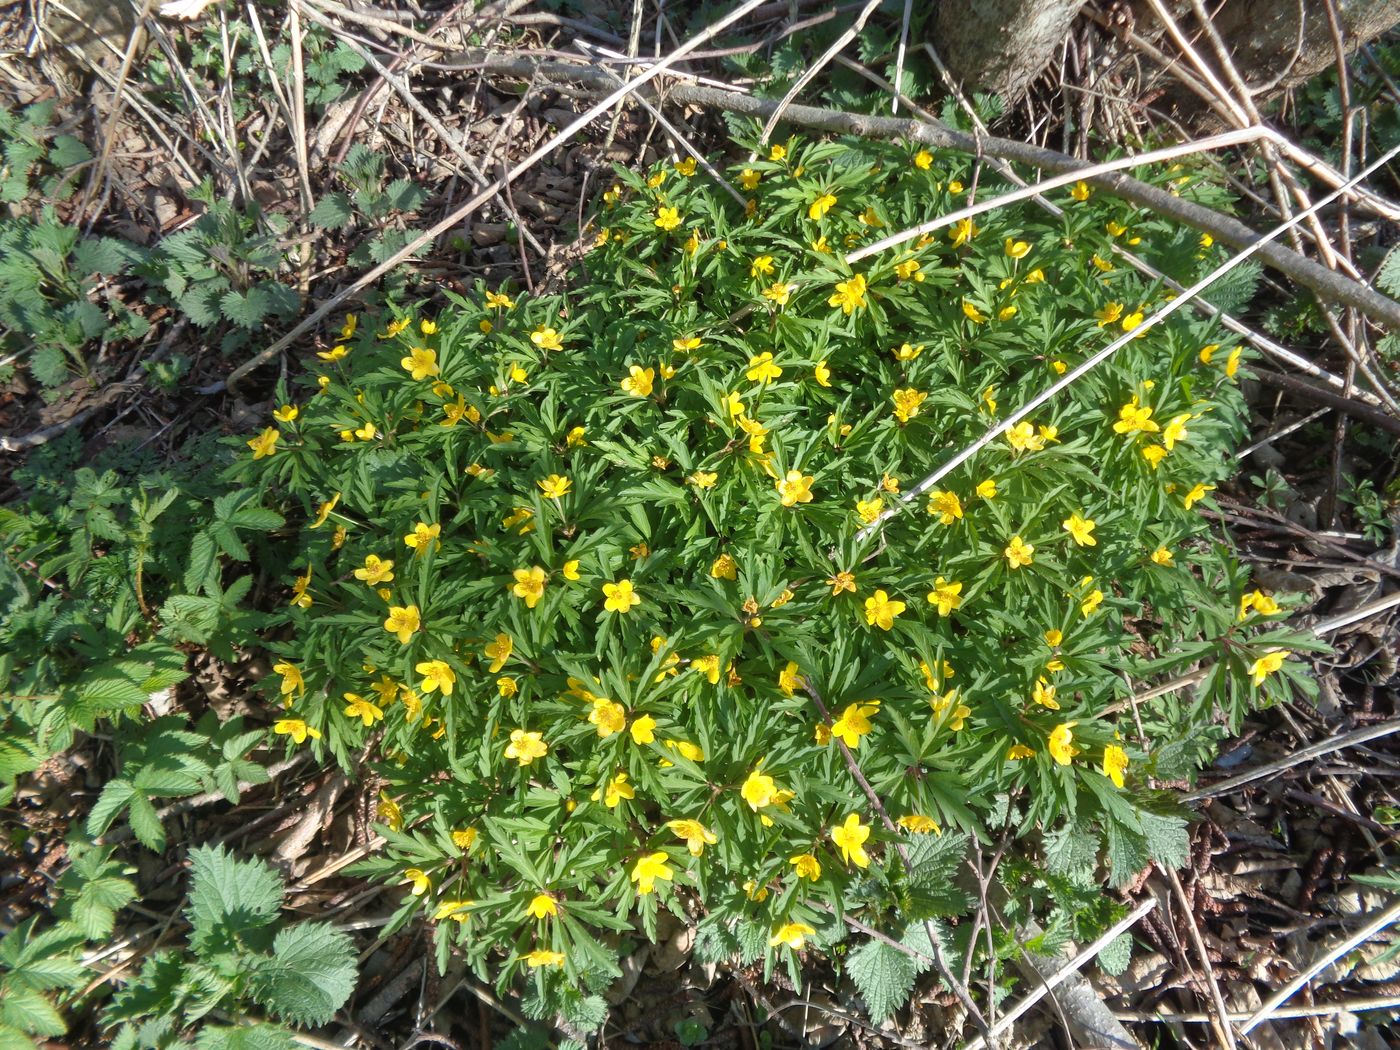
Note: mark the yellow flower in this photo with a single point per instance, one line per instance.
(1006, 313)
(507, 687)
(1092, 602)
(1018, 553)
(792, 934)
(1023, 438)
(971, 312)
(987, 489)
(761, 266)
(908, 270)
(1259, 602)
(685, 168)
(708, 666)
(758, 790)
(1044, 695)
(725, 568)
(1134, 418)
(541, 906)
(819, 207)
(1017, 249)
(854, 723)
(422, 535)
(748, 178)
(842, 581)
(946, 594)
(389, 813)
(324, 510)
(502, 301)
(617, 789)
(806, 866)
(377, 570)
(498, 652)
(436, 675)
(292, 680)
(296, 729)
(867, 510)
(525, 747)
(543, 957)
(365, 433)
(1018, 752)
(1109, 314)
(685, 749)
(777, 153)
(1080, 191)
(650, 868)
(265, 444)
(546, 338)
(456, 909)
(286, 413)
(849, 295)
(335, 353)
(1061, 743)
(555, 486)
(1081, 529)
(1197, 493)
(762, 369)
(620, 597)
(789, 678)
(907, 403)
(667, 218)
(1264, 666)
(642, 730)
(1175, 430)
(820, 245)
(919, 824)
(1162, 556)
(365, 710)
(300, 597)
(957, 713)
(609, 716)
(420, 363)
(1101, 264)
(1054, 636)
(850, 839)
(822, 374)
(923, 160)
(1115, 764)
(881, 610)
(963, 231)
(464, 838)
(695, 834)
(1036, 276)
(529, 585)
(421, 882)
(795, 488)
(1154, 454)
(782, 599)
(403, 620)
(1232, 363)
(1207, 352)
(779, 293)
(946, 505)
(570, 570)
(639, 381)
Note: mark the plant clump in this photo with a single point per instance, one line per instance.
(624, 594)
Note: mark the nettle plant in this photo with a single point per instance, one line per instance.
(601, 581)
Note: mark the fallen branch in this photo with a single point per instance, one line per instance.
(1331, 286)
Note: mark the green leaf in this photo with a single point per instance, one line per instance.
(934, 863)
(310, 975)
(332, 211)
(28, 1011)
(145, 824)
(246, 310)
(115, 795)
(227, 894)
(884, 976)
(244, 1037)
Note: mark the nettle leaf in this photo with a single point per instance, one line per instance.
(934, 864)
(310, 975)
(1072, 851)
(884, 975)
(244, 1037)
(332, 212)
(229, 895)
(1114, 959)
(247, 310)
(1127, 852)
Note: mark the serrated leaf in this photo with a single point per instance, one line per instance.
(884, 976)
(227, 894)
(244, 1037)
(65, 151)
(405, 196)
(204, 557)
(247, 310)
(1127, 853)
(115, 795)
(332, 212)
(145, 824)
(1114, 959)
(28, 1011)
(310, 975)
